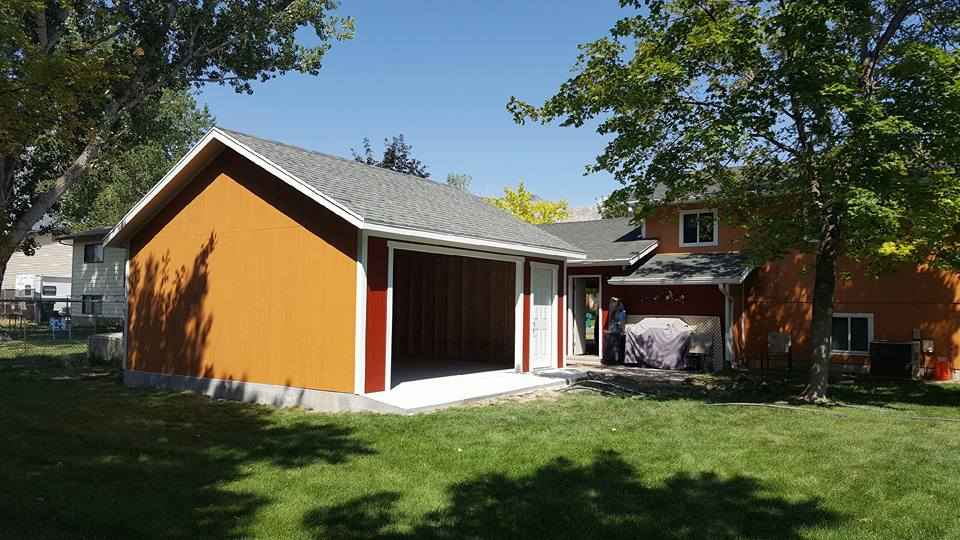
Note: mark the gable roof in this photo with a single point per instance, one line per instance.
(689, 269)
(370, 198)
(612, 241)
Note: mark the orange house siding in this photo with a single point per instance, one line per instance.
(779, 298)
(242, 278)
(664, 226)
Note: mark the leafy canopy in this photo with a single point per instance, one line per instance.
(75, 76)
(396, 157)
(149, 146)
(837, 122)
(528, 207)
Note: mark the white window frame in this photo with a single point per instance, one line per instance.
(716, 228)
(847, 352)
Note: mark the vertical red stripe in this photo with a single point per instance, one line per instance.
(376, 342)
(561, 303)
(525, 367)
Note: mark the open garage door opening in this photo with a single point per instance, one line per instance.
(452, 315)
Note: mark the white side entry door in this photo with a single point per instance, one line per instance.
(543, 342)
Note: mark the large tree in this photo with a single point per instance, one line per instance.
(397, 156)
(821, 126)
(73, 73)
(147, 147)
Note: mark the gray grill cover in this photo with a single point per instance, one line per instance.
(658, 342)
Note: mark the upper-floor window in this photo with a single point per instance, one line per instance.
(698, 228)
(93, 253)
(49, 290)
(852, 333)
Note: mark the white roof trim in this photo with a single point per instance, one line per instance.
(622, 260)
(392, 231)
(627, 280)
(215, 134)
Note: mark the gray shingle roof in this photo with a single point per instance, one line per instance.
(689, 268)
(603, 239)
(390, 198)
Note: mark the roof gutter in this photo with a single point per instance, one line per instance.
(626, 280)
(623, 261)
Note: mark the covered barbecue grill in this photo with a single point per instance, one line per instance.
(658, 342)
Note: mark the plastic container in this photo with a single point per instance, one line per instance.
(942, 370)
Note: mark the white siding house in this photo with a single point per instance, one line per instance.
(52, 259)
(97, 286)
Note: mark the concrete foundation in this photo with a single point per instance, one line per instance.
(266, 394)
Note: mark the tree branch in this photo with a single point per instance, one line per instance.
(900, 13)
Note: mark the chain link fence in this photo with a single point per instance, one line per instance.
(53, 330)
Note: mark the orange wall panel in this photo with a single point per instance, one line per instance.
(241, 277)
(780, 296)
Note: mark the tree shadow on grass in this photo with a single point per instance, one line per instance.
(602, 499)
(92, 459)
(757, 388)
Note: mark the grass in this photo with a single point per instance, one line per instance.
(84, 457)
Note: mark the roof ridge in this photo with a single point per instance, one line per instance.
(344, 159)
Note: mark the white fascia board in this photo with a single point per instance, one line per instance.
(158, 187)
(350, 216)
(623, 261)
(216, 134)
(404, 233)
(347, 214)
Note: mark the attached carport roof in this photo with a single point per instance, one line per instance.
(689, 269)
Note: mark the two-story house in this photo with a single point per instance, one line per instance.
(684, 262)
(97, 278)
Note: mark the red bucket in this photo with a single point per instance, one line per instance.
(943, 370)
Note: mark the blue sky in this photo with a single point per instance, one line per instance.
(441, 73)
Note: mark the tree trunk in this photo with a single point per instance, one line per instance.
(825, 279)
(11, 241)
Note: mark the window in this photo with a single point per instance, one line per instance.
(852, 333)
(93, 253)
(27, 290)
(698, 228)
(92, 304)
(49, 290)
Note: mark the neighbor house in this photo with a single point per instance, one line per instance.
(265, 272)
(683, 261)
(97, 279)
(43, 275)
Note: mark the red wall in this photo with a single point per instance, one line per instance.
(453, 308)
(561, 309)
(376, 342)
(376, 316)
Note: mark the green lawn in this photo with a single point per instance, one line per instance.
(87, 458)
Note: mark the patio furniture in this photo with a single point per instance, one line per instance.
(779, 353)
(701, 349)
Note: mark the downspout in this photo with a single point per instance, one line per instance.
(728, 349)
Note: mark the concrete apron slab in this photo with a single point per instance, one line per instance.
(426, 395)
(406, 398)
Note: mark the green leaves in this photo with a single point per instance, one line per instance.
(826, 112)
(528, 207)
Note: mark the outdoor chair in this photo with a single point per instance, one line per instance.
(701, 348)
(779, 353)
